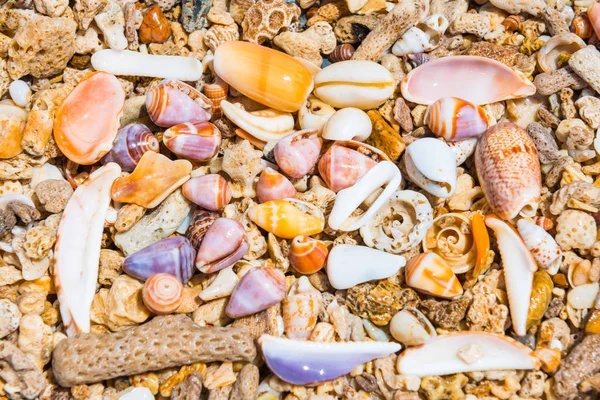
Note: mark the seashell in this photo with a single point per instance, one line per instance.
(593, 323)
(342, 52)
(541, 294)
(12, 126)
(463, 149)
(162, 294)
(20, 92)
(519, 266)
(155, 26)
(544, 249)
(284, 220)
(455, 119)
(349, 265)
(307, 255)
(423, 37)
(594, 16)
(224, 244)
(479, 80)
(173, 255)
(196, 141)
(342, 85)
(580, 273)
(582, 26)
(300, 310)
(154, 178)
(272, 185)
(259, 289)
(345, 162)
(217, 92)
(431, 165)
(431, 274)
(297, 153)
(87, 121)
(482, 243)
(348, 200)
(450, 237)
(543, 222)
(211, 192)
(348, 124)
(46, 172)
(267, 76)
(129, 146)
(221, 286)
(201, 221)
(314, 114)
(553, 49)
(6, 199)
(583, 296)
(77, 249)
(411, 328)
(509, 171)
(136, 393)
(303, 362)
(459, 352)
(253, 141)
(174, 102)
(266, 125)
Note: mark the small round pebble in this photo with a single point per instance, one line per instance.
(20, 93)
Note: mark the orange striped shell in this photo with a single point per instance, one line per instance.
(307, 255)
(162, 293)
(431, 274)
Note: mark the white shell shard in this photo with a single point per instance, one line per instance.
(265, 125)
(583, 296)
(20, 92)
(349, 265)
(519, 266)
(550, 52)
(314, 114)
(411, 328)
(445, 355)
(135, 393)
(423, 37)
(125, 62)
(348, 124)
(544, 249)
(349, 199)
(19, 198)
(45, 172)
(77, 250)
(431, 165)
(222, 286)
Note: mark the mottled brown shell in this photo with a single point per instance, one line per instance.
(201, 221)
(541, 294)
(342, 52)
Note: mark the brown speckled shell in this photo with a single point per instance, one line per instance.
(509, 171)
(343, 52)
(201, 221)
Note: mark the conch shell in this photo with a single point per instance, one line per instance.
(423, 37)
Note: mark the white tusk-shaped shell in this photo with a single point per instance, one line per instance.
(541, 245)
(458, 352)
(423, 37)
(348, 200)
(348, 124)
(77, 250)
(431, 165)
(265, 125)
(463, 149)
(519, 266)
(315, 113)
(349, 265)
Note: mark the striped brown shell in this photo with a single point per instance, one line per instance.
(201, 221)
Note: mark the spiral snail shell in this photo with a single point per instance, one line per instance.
(129, 146)
(162, 293)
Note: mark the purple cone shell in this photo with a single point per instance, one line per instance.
(130, 144)
(173, 255)
(223, 245)
(302, 362)
(258, 290)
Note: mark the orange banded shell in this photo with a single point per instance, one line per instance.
(162, 293)
(307, 255)
(431, 274)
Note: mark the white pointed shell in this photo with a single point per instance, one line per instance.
(463, 149)
(431, 165)
(314, 114)
(399, 225)
(348, 124)
(564, 42)
(265, 125)
(350, 265)
(541, 244)
(458, 352)
(423, 37)
(411, 328)
(222, 286)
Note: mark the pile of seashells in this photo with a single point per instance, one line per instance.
(269, 199)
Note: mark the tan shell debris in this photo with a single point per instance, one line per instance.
(266, 18)
(586, 64)
(22, 379)
(310, 44)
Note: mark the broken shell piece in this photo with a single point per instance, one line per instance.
(265, 125)
(411, 328)
(175, 102)
(272, 185)
(259, 289)
(129, 146)
(448, 354)
(196, 141)
(20, 92)
(348, 200)
(463, 149)
(423, 37)
(111, 22)
(45, 172)
(519, 266)
(87, 121)
(133, 63)
(541, 245)
(314, 113)
(354, 83)
(479, 80)
(349, 265)
(455, 119)
(583, 296)
(555, 47)
(431, 274)
(307, 255)
(348, 124)
(6, 199)
(284, 220)
(431, 165)
(222, 286)
(594, 15)
(303, 362)
(211, 192)
(297, 153)
(12, 125)
(224, 244)
(162, 293)
(136, 393)
(300, 309)
(77, 249)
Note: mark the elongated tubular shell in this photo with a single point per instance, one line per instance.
(162, 293)
(268, 76)
(211, 192)
(456, 119)
(440, 356)
(307, 255)
(272, 185)
(594, 15)
(479, 80)
(431, 274)
(297, 153)
(77, 250)
(258, 290)
(129, 146)
(283, 219)
(519, 267)
(87, 121)
(509, 171)
(174, 102)
(196, 141)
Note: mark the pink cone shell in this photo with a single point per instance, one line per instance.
(594, 15)
(273, 186)
(211, 192)
(162, 293)
(509, 171)
(174, 102)
(223, 244)
(300, 314)
(258, 290)
(456, 119)
(196, 141)
(297, 153)
(479, 80)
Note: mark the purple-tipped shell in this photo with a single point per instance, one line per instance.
(174, 102)
(173, 255)
(224, 244)
(297, 153)
(196, 141)
(129, 146)
(201, 221)
(302, 362)
(211, 191)
(258, 290)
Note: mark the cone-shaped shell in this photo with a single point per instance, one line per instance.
(300, 314)
(175, 102)
(258, 290)
(456, 119)
(307, 255)
(431, 274)
(509, 171)
(268, 76)
(272, 185)
(211, 192)
(541, 244)
(297, 153)
(87, 121)
(283, 219)
(479, 80)
(12, 125)
(162, 293)
(594, 15)
(196, 141)
(223, 245)
(131, 143)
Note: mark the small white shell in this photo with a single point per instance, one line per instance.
(314, 114)
(564, 42)
(265, 125)
(350, 265)
(583, 296)
(20, 92)
(431, 165)
(541, 244)
(423, 37)
(135, 393)
(222, 286)
(411, 328)
(463, 149)
(348, 124)
(45, 172)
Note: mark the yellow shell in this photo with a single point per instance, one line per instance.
(431, 274)
(541, 294)
(282, 219)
